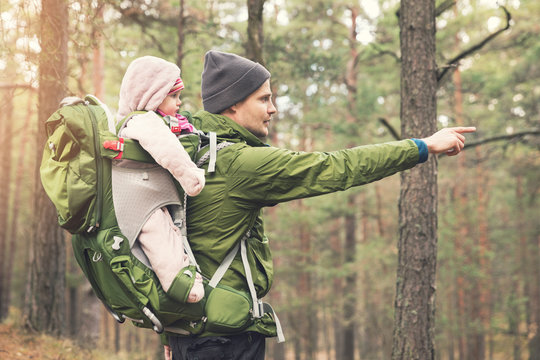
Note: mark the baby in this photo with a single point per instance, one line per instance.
(153, 84)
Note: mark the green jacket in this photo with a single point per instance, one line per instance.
(251, 175)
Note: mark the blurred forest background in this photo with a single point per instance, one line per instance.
(336, 77)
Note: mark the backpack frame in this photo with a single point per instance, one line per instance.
(76, 175)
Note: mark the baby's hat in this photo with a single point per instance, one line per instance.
(145, 85)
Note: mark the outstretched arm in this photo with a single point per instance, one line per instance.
(448, 140)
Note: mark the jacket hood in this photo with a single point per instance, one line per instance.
(224, 127)
(145, 85)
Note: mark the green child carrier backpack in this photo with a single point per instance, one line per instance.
(104, 187)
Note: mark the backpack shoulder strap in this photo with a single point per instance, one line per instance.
(209, 155)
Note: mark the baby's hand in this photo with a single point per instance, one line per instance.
(191, 180)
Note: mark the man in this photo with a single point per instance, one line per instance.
(250, 175)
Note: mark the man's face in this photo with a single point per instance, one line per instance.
(255, 112)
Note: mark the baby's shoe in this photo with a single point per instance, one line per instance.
(187, 286)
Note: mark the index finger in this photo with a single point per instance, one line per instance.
(464, 129)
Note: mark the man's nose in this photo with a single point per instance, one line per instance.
(272, 109)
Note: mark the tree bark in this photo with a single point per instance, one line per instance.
(337, 288)
(415, 289)
(45, 304)
(5, 170)
(98, 54)
(530, 239)
(20, 173)
(485, 281)
(304, 286)
(254, 46)
(349, 306)
(349, 300)
(534, 296)
(181, 35)
(460, 192)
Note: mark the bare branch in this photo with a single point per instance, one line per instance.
(517, 135)
(9, 86)
(139, 19)
(453, 63)
(381, 51)
(444, 6)
(439, 10)
(390, 128)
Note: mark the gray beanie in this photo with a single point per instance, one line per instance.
(228, 79)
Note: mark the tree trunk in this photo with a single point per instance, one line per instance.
(181, 31)
(5, 175)
(415, 289)
(531, 267)
(379, 203)
(90, 315)
(98, 54)
(73, 300)
(534, 297)
(45, 305)
(460, 191)
(21, 172)
(371, 339)
(304, 287)
(337, 288)
(483, 282)
(254, 46)
(349, 306)
(86, 311)
(349, 300)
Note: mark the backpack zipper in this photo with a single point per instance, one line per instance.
(97, 157)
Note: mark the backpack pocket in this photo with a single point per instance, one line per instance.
(135, 280)
(69, 168)
(92, 254)
(227, 310)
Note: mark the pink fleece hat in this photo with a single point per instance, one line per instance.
(145, 85)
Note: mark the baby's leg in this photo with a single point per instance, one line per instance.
(197, 291)
(162, 243)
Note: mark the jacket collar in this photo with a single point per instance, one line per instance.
(224, 127)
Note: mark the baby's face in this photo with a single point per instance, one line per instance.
(171, 104)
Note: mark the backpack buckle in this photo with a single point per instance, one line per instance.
(174, 124)
(115, 145)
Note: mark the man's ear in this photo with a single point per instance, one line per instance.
(231, 110)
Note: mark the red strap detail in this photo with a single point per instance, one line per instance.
(116, 145)
(176, 129)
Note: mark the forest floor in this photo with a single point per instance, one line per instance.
(16, 343)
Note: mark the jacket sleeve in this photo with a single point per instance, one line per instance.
(265, 176)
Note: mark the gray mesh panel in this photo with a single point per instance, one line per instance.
(137, 193)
